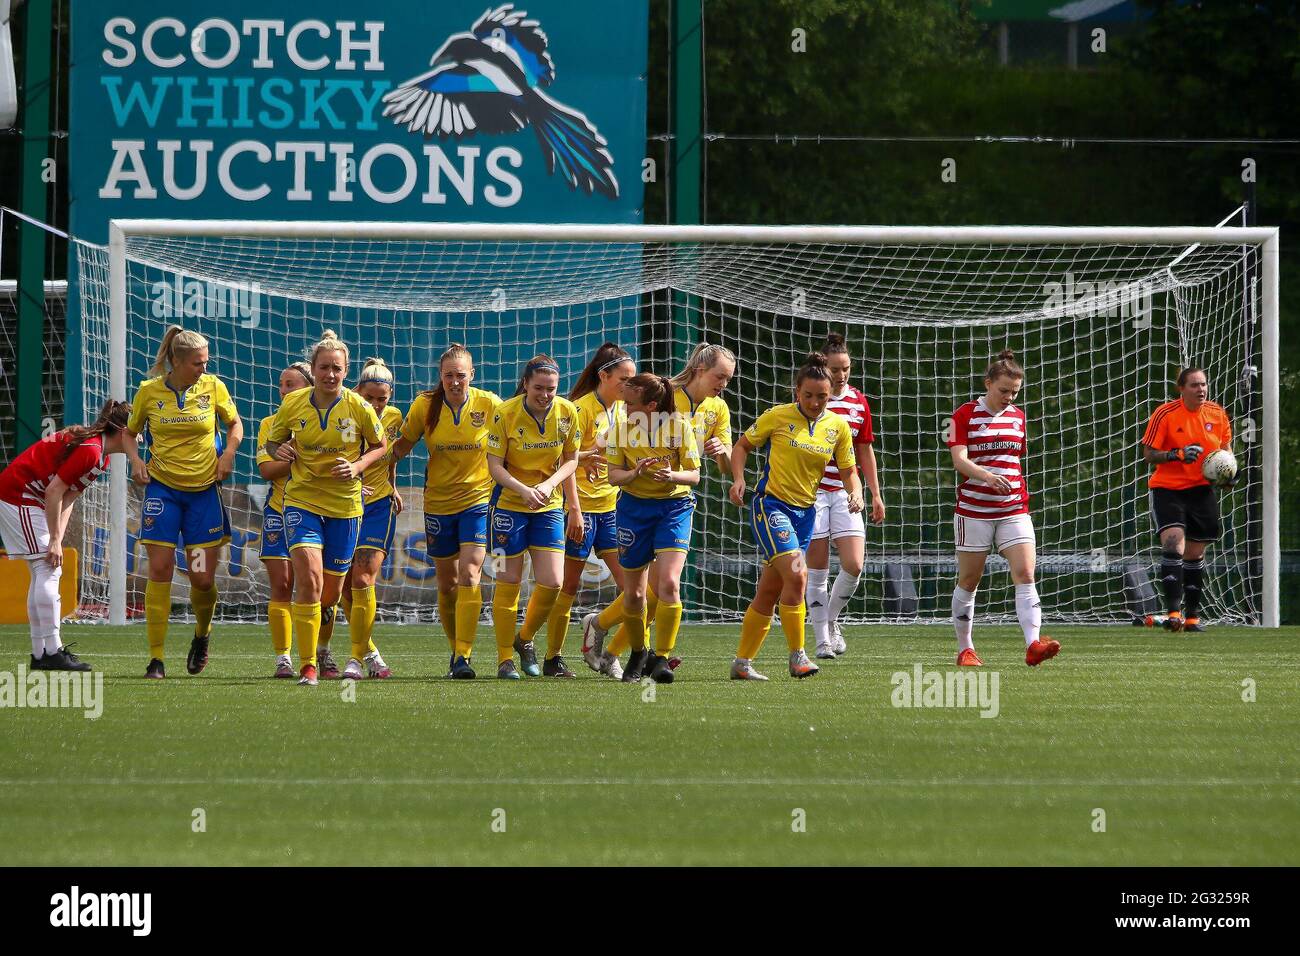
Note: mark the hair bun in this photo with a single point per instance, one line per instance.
(815, 359)
(834, 339)
(1007, 355)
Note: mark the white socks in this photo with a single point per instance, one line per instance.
(818, 600)
(823, 608)
(843, 588)
(1028, 611)
(963, 616)
(43, 612)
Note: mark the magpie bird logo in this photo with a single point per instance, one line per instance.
(490, 81)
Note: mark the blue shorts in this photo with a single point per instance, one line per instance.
(335, 538)
(514, 532)
(780, 528)
(378, 525)
(444, 534)
(599, 531)
(275, 544)
(647, 526)
(193, 519)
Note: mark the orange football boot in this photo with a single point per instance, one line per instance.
(1041, 650)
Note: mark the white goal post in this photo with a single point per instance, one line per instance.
(1102, 315)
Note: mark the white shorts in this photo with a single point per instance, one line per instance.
(832, 518)
(23, 530)
(992, 534)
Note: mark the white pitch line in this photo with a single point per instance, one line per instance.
(640, 782)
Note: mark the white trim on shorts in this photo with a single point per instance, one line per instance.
(24, 531)
(832, 518)
(982, 535)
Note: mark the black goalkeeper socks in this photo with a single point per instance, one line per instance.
(1193, 575)
(1171, 579)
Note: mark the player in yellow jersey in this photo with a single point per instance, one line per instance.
(454, 419)
(275, 546)
(653, 457)
(803, 437)
(336, 437)
(598, 395)
(183, 410)
(697, 393)
(532, 450)
(382, 505)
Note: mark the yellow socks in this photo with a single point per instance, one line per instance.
(622, 639)
(634, 625)
(557, 624)
(611, 615)
(469, 605)
(306, 626)
(361, 621)
(792, 621)
(281, 622)
(157, 608)
(204, 603)
(752, 632)
(539, 609)
(668, 620)
(505, 612)
(327, 626)
(447, 604)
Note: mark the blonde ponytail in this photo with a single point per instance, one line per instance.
(702, 359)
(376, 370)
(329, 342)
(176, 343)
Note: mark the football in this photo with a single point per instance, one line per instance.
(1219, 467)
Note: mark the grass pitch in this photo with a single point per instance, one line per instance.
(1150, 728)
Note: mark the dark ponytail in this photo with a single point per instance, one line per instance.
(112, 419)
(814, 366)
(654, 388)
(607, 357)
(834, 345)
(1004, 365)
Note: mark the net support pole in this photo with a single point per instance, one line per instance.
(687, 83)
(118, 465)
(30, 359)
(1271, 483)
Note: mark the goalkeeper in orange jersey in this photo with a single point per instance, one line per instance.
(1184, 508)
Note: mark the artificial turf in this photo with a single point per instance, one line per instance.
(1148, 727)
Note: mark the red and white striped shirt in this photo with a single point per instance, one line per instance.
(851, 406)
(995, 442)
(28, 476)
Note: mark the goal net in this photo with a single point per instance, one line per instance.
(1102, 319)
